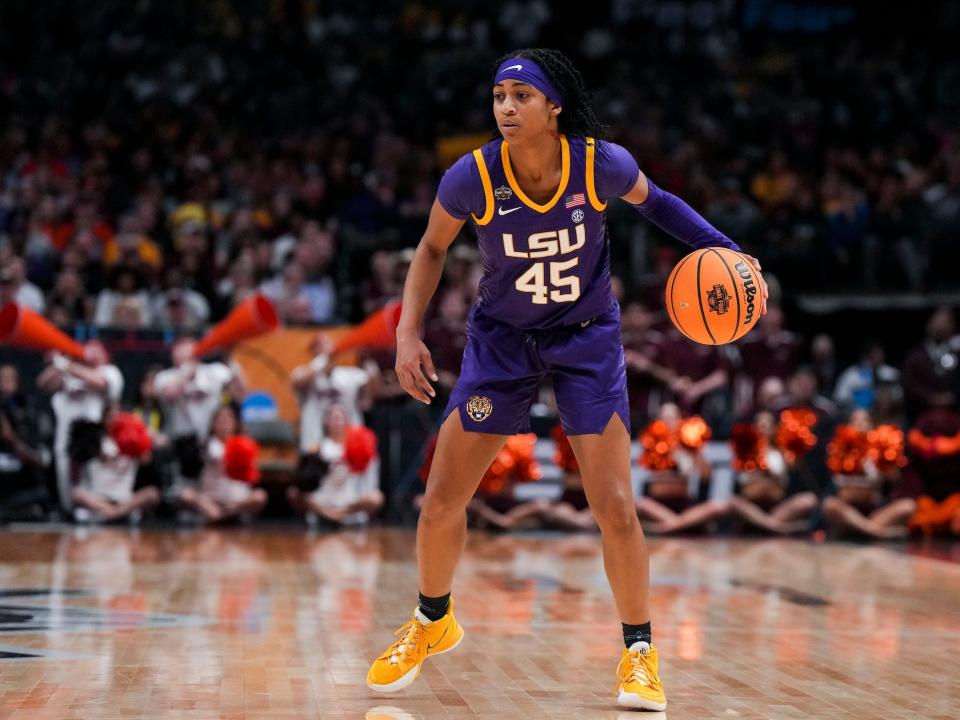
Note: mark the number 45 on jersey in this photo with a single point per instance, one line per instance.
(561, 288)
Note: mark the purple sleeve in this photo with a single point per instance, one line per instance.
(615, 171)
(674, 216)
(461, 190)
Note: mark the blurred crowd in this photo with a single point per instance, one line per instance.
(162, 160)
(159, 162)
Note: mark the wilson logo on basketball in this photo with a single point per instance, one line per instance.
(749, 289)
(718, 299)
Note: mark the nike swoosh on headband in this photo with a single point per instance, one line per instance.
(518, 67)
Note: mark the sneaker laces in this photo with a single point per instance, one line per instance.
(636, 666)
(413, 640)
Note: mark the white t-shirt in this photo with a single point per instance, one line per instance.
(214, 480)
(112, 474)
(192, 412)
(341, 486)
(76, 400)
(341, 386)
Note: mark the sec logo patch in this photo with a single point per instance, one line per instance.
(577, 216)
(479, 408)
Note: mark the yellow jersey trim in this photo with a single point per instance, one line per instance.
(487, 189)
(591, 187)
(564, 176)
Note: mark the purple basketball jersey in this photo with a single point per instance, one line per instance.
(544, 265)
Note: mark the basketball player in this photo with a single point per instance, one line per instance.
(81, 390)
(537, 195)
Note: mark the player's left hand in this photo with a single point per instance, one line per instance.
(763, 283)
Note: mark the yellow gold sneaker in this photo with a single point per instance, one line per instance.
(638, 681)
(400, 664)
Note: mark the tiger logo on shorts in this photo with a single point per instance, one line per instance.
(479, 408)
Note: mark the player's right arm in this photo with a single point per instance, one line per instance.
(414, 363)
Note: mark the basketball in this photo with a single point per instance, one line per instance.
(713, 296)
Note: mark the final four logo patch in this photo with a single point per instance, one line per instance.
(718, 299)
(503, 193)
(479, 408)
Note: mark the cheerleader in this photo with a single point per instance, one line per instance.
(762, 498)
(222, 494)
(349, 491)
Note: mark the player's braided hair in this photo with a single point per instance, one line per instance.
(577, 117)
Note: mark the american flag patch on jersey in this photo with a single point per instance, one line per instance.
(574, 200)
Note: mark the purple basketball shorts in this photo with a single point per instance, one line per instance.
(503, 367)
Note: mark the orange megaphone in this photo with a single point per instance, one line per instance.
(254, 316)
(24, 328)
(378, 330)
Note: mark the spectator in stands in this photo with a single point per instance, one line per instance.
(124, 283)
(381, 286)
(762, 496)
(930, 372)
(22, 492)
(770, 350)
(190, 393)
(823, 362)
(220, 496)
(699, 376)
(14, 287)
(776, 183)
(69, 294)
(346, 496)
(300, 300)
(180, 307)
(445, 335)
(106, 488)
(647, 382)
(132, 248)
(81, 390)
(802, 392)
(858, 384)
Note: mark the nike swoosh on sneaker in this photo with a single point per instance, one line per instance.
(501, 211)
(439, 640)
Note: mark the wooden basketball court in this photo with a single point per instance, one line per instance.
(282, 624)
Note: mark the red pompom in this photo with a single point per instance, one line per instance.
(563, 456)
(887, 447)
(240, 458)
(359, 447)
(795, 436)
(694, 432)
(847, 451)
(658, 443)
(514, 463)
(749, 448)
(131, 435)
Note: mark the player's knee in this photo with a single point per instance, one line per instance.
(440, 509)
(615, 512)
(806, 501)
